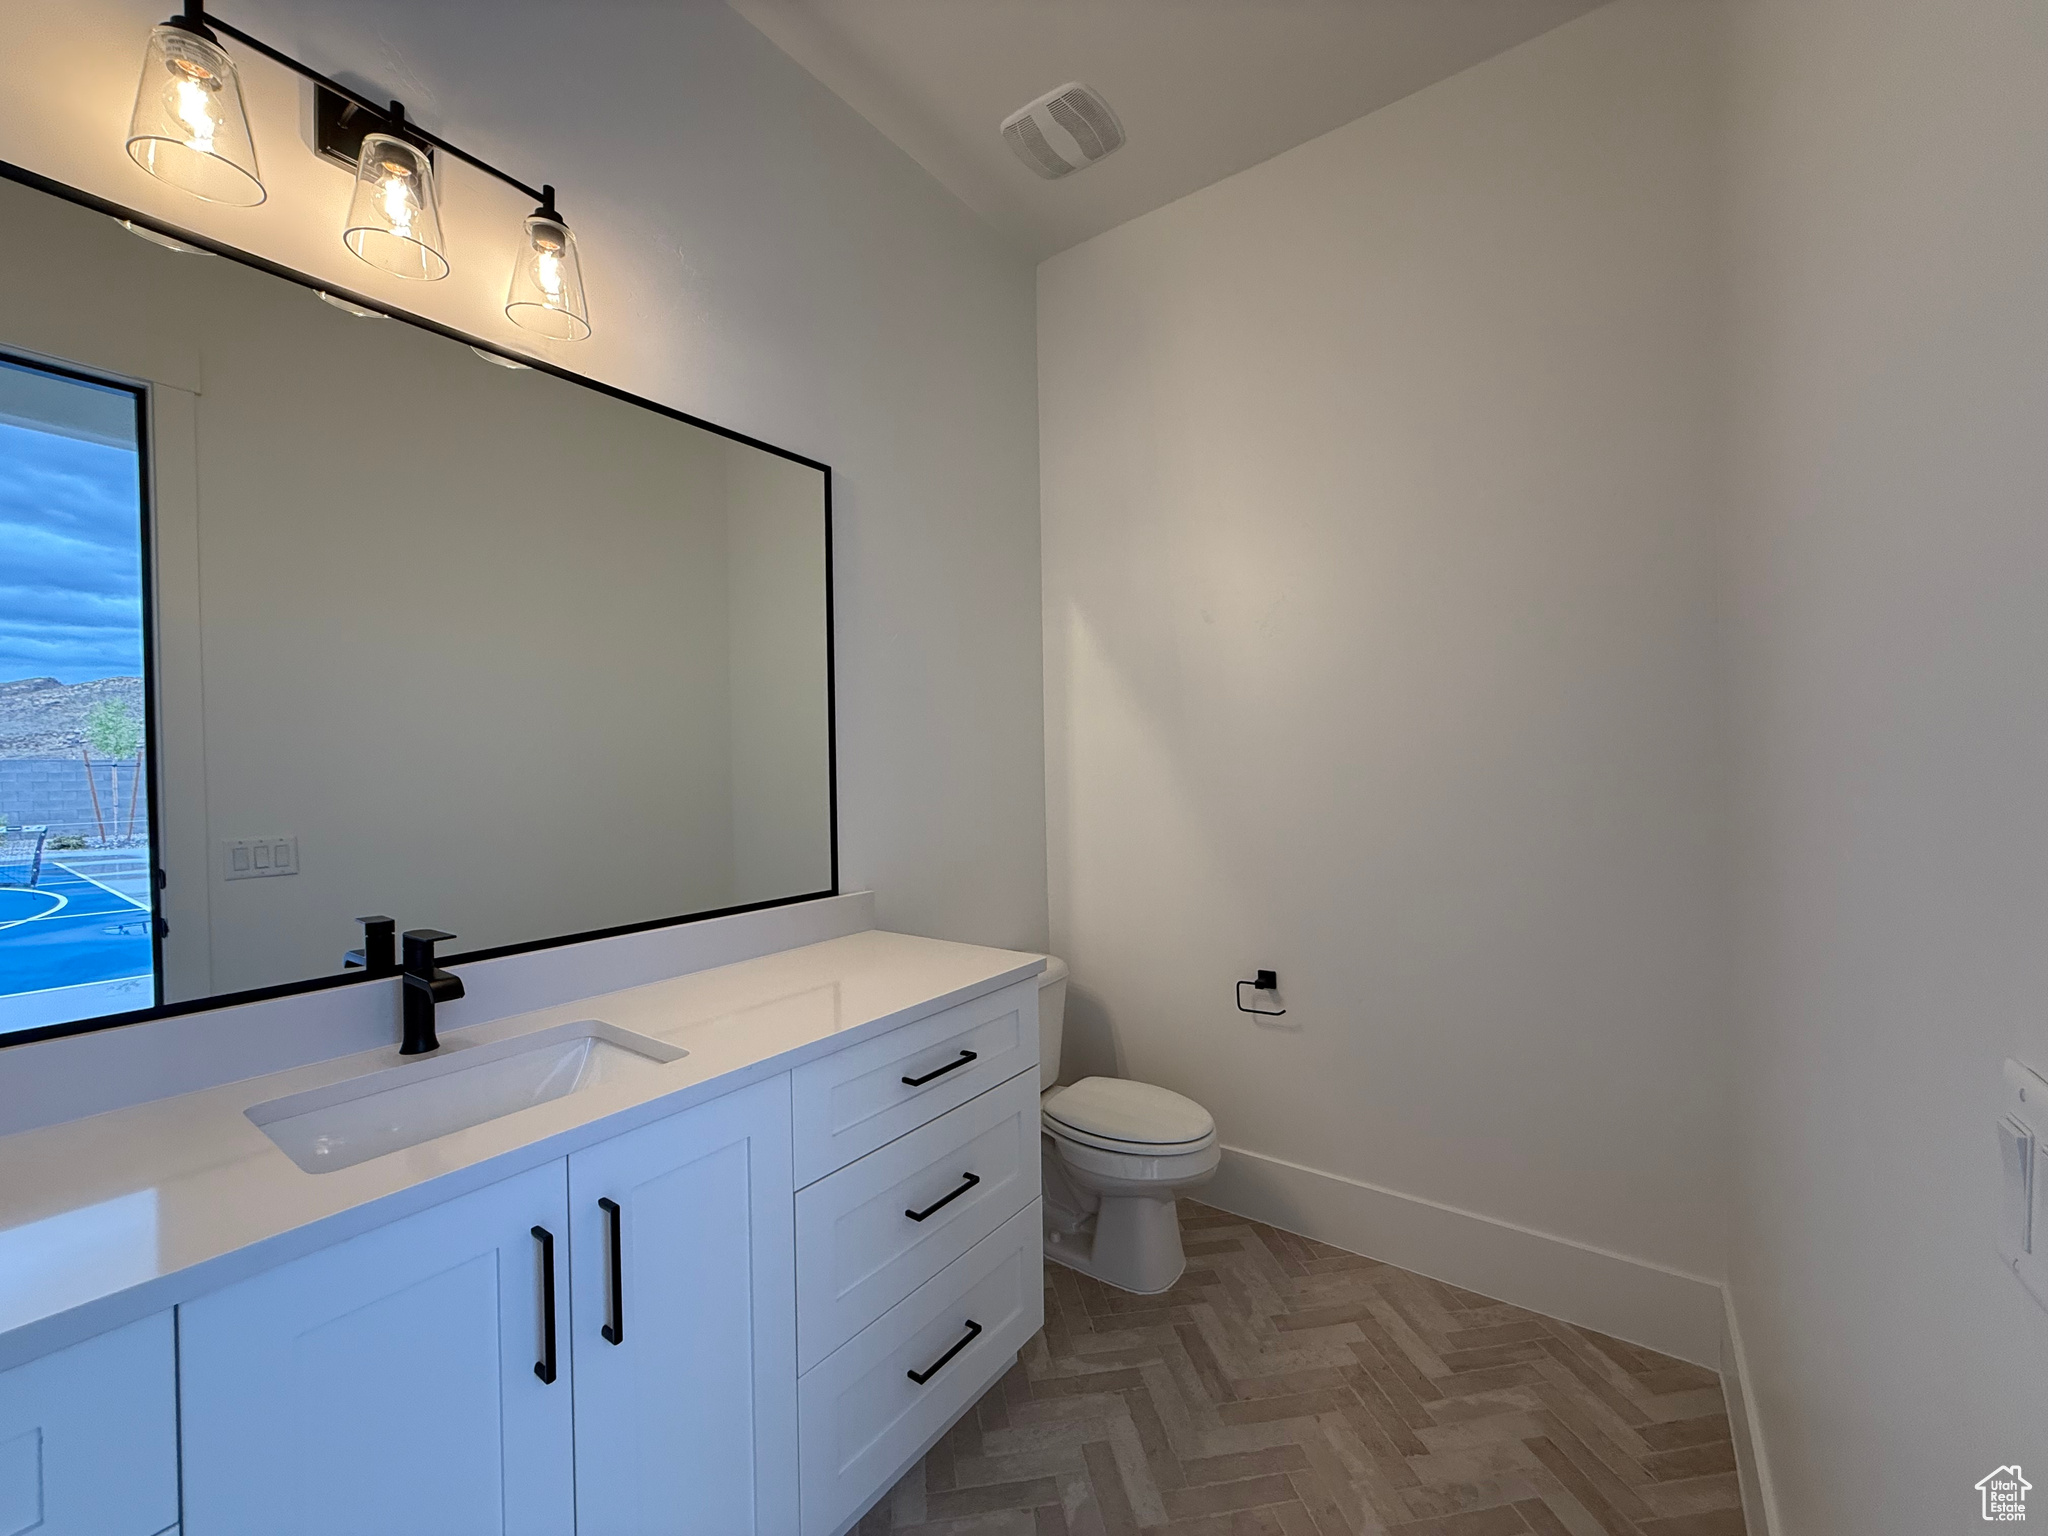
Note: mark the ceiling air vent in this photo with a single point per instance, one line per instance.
(1063, 131)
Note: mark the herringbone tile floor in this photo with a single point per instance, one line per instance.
(1290, 1389)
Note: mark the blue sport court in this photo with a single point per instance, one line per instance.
(67, 929)
(75, 855)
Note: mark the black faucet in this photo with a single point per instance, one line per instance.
(379, 954)
(424, 987)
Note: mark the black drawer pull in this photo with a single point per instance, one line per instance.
(951, 1066)
(940, 1205)
(544, 1367)
(921, 1377)
(615, 1330)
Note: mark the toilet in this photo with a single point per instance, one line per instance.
(1114, 1155)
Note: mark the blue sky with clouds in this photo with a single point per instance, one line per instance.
(70, 558)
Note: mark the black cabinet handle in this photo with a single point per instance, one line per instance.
(939, 1205)
(925, 1375)
(544, 1367)
(615, 1330)
(951, 1066)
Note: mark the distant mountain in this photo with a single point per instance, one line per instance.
(41, 717)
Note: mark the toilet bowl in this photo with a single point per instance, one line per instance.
(1114, 1155)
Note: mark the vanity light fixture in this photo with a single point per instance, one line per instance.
(394, 218)
(547, 280)
(190, 129)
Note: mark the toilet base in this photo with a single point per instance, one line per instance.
(1131, 1242)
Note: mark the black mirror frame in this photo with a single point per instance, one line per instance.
(22, 176)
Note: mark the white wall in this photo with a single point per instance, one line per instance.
(1379, 581)
(757, 255)
(1888, 211)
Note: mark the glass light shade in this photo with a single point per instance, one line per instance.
(546, 295)
(189, 127)
(394, 218)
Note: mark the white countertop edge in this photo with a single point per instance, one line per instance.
(59, 1328)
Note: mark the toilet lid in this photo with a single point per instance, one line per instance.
(1136, 1114)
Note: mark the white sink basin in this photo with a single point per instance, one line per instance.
(459, 1086)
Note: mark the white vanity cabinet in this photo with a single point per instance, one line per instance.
(89, 1437)
(870, 1234)
(742, 1318)
(684, 1324)
(399, 1382)
(920, 1270)
(388, 1384)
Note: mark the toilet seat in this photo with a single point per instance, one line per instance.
(1136, 1168)
(1113, 1114)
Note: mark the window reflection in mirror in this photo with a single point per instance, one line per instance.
(75, 896)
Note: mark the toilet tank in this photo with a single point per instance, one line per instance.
(1052, 1019)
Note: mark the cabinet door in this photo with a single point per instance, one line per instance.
(89, 1437)
(686, 1346)
(388, 1384)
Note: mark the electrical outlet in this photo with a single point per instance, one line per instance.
(258, 858)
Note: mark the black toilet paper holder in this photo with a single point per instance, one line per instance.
(1263, 981)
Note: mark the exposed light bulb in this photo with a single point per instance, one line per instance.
(394, 219)
(193, 95)
(398, 201)
(546, 294)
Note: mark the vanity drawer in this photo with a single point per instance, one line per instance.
(859, 1251)
(853, 1101)
(861, 1416)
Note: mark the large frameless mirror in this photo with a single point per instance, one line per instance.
(307, 616)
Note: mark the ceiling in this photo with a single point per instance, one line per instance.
(1205, 88)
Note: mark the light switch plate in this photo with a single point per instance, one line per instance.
(258, 858)
(2023, 1150)
(2016, 1189)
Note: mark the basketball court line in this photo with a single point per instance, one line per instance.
(77, 943)
(82, 875)
(59, 897)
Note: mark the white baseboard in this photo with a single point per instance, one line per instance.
(1752, 1464)
(1642, 1303)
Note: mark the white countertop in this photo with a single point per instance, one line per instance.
(118, 1215)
